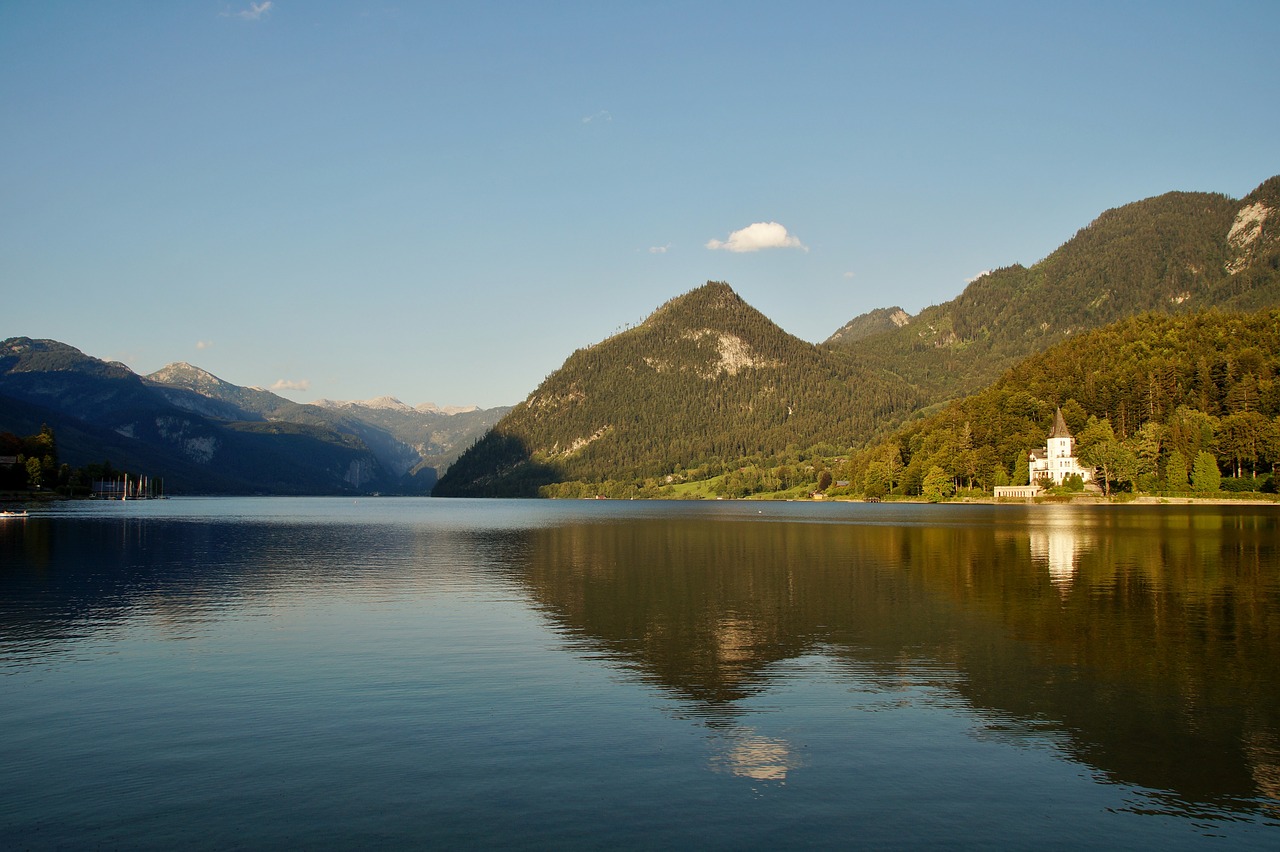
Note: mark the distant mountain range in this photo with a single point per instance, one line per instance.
(707, 383)
(390, 403)
(206, 435)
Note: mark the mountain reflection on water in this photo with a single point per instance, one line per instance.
(1143, 643)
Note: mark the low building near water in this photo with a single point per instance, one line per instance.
(1017, 492)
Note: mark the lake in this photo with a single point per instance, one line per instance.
(336, 673)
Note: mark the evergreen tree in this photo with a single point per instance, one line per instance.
(1205, 477)
(1022, 470)
(999, 476)
(1145, 446)
(1175, 472)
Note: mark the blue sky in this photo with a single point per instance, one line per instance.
(441, 201)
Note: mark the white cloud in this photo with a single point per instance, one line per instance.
(659, 249)
(976, 277)
(602, 115)
(204, 344)
(761, 235)
(254, 12)
(292, 385)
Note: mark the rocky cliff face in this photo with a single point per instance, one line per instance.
(1254, 236)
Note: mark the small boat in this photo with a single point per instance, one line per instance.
(5, 515)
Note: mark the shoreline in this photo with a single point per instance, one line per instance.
(1144, 500)
(1140, 500)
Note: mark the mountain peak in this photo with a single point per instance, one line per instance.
(706, 372)
(180, 370)
(390, 403)
(24, 354)
(871, 323)
(183, 375)
(378, 403)
(432, 408)
(702, 303)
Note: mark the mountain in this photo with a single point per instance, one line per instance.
(870, 324)
(411, 444)
(206, 435)
(103, 411)
(199, 391)
(202, 392)
(435, 435)
(1175, 253)
(704, 381)
(390, 403)
(707, 382)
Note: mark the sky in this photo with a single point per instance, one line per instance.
(440, 202)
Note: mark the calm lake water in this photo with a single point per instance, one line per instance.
(221, 673)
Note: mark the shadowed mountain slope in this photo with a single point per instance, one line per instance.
(103, 411)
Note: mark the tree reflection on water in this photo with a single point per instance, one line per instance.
(1144, 642)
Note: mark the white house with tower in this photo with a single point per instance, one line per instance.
(1052, 464)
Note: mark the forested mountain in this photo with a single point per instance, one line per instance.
(703, 381)
(870, 324)
(707, 383)
(1145, 397)
(1175, 253)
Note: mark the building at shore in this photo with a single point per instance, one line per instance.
(1050, 465)
(1057, 460)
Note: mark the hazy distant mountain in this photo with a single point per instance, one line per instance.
(411, 443)
(436, 435)
(204, 434)
(390, 403)
(103, 411)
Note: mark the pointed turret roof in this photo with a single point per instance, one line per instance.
(1059, 429)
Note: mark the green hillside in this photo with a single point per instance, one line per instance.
(706, 380)
(1146, 396)
(1175, 253)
